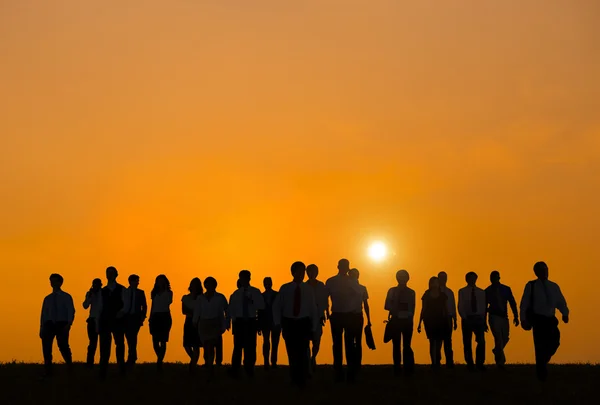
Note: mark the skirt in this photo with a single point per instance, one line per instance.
(209, 330)
(437, 328)
(191, 338)
(160, 326)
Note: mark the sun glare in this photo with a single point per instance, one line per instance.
(377, 251)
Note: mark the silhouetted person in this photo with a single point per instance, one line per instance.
(343, 292)
(112, 323)
(540, 301)
(211, 316)
(270, 333)
(191, 337)
(320, 293)
(443, 279)
(434, 313)
(400, 303)
(135, 310)
(243, 306)
(498, 296)
(296, 311)
(58, 313)
(361, 301)
(160, 317)
(93, 301)
(472, 311)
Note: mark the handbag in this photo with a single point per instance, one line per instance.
(369, 338)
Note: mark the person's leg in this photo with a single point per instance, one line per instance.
(303, 333)
(540, 352)
(119, 337)
(505, 339)
(275, 335)
(448, 348)
(352, 328)
(92, 333)
(209, 356)
(250, 347)
(105, 348)
(467, 343)
(496, 329)
(218, 348)
(397, 354)
(62, 340)
(358, 333)
(479, 331)
(238, 344)
(337, 335)
(266, 333)
(288, 339)
(316, 346)
(48, 334)
(409, 356)
(432, 352)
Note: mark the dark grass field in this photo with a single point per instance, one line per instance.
(568, 384)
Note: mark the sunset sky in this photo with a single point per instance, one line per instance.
(202, 137)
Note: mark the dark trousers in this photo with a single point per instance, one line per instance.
(244, 342)
(546, 340)
(60, 331)
(219, 351)
(403, 336)
(344, 332)
(92, 332)
(474, 326)
(297, 334)
(447, 342)
(109, 331)
(358, 323)
(133, 324)
(271, 337)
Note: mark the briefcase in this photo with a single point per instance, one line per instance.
(369, 338)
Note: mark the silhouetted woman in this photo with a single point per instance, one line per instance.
(160, 317)
(434, 313)
(191, 338)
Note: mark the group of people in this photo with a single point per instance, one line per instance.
(298, 312)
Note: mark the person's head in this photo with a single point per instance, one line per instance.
(495, 277)
(195, 287)
(344, 266)
(238, 283)
(471, 278)
(111, 274)
(56, 281)
(402, 277)
(541, 270)
(354, 274)
(268, 283)
(312, 271)
(210, 283)
(298, 270)
(134, 281)
(161, 283)
(244, 278)
(96, 284)
(443, 278)
(434, 284)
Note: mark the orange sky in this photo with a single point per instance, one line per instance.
(198, 138)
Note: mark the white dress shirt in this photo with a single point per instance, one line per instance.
(400, 302)
(215, 308)
(94, 302)
(464, 302)
(359, 299)
(547, 298)
(320, 292)
(58, 307)
(236, 302)
(162, 302)
(451, 301)
(344, 293)
(284, 304)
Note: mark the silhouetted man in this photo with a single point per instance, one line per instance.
(358, 320)
(400, 302)
(134, 310)
(471, 308)
(296, 311)
(497, 297)
(320, 293)
(243, 306)
(443, 279)
(112, 323)
(540, 301)
(343, 292)
(270, 332)
(93, 301)
(58, 313)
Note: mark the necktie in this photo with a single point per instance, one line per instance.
(297, 300)
(131, 307)
(245, 310)
(473, 301)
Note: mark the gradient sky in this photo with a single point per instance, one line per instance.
(198, 138)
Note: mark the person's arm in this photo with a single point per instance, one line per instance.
(184, 310)
(197, 311)
(524, 307)
(259, 301)
(561, 304)
(423, 308)
(278, 308)
(87, 302)
(327, 297)
(412, 304)
(314, 310)
(513, 306)
(170, 297)
(461, 305)
(227, 314)
(389, 303)
(367, 309)
(452, 313)
(43, 315)
(144, 306)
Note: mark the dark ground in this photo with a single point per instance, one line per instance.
(569, 384)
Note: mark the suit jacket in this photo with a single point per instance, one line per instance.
(112, 304)
(140, 306)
